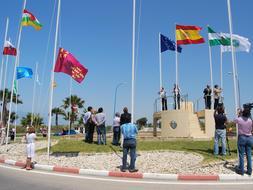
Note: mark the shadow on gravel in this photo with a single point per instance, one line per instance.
(201, 151)
(230, 166)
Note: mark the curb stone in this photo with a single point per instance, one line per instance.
(138, 175)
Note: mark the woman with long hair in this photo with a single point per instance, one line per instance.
(245, 140)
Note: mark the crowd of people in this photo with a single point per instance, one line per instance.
(125, 132)
(243, 122)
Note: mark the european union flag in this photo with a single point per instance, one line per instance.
(24, 72)
(167, 44)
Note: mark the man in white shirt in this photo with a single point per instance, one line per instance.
(86, 117)
(164, 98)
(217, 95)
(116, 129)
(101, 130)
(176, 92)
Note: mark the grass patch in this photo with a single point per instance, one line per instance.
(204, 148)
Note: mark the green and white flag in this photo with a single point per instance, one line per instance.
(15, 91)
(240, 43)
(217, 39)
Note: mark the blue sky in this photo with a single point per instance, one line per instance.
(99, 34)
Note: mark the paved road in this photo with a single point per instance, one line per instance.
(12, 178)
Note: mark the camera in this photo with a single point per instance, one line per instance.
(248, 106)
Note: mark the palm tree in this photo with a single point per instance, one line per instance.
(76, 103)
(14, 117)
(37, 120)
(57, 111)
(6, 101)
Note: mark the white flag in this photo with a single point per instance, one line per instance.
(240, 43)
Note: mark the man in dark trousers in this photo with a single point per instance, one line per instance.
(129, 132)
(207, 97)
(164, 98)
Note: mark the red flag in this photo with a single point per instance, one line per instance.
(68, 64)
(9, 49)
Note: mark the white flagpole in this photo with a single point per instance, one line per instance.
(233, 65)
(233, 56)
(70, 91)
(221, 70)
(34, 91)
(177, 86)
(160, 65)
(14, 73)
(1, 72)
(3, 96)
(133, 66)
(237, 81)
(211, 73)
(52, 81)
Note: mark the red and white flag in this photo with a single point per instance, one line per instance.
(9, 49)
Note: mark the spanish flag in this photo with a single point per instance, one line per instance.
(188, 35)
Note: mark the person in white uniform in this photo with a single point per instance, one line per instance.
(30, 147)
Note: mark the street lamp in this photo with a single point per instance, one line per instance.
(238, 87)
(115, 96)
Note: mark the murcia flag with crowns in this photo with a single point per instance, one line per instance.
(9, 49)
(68, 64)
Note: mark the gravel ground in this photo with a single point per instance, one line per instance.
(149, 162)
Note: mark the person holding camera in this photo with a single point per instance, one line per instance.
(220, 129)
(245, 139)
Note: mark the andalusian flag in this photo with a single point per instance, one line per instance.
(217, 39)
(15, 87)
(188, 35)
(28, 19)
(240, 43)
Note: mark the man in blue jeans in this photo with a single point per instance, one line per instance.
(129, 132)
(220, 130)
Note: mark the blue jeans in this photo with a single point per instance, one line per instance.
(129, 144)
(245, 144)
(116, 135)
(220, 134)
(101, 131)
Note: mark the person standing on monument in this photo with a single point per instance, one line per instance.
(207, 97)
(176, 92)
(162, 93)
(217, 95)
